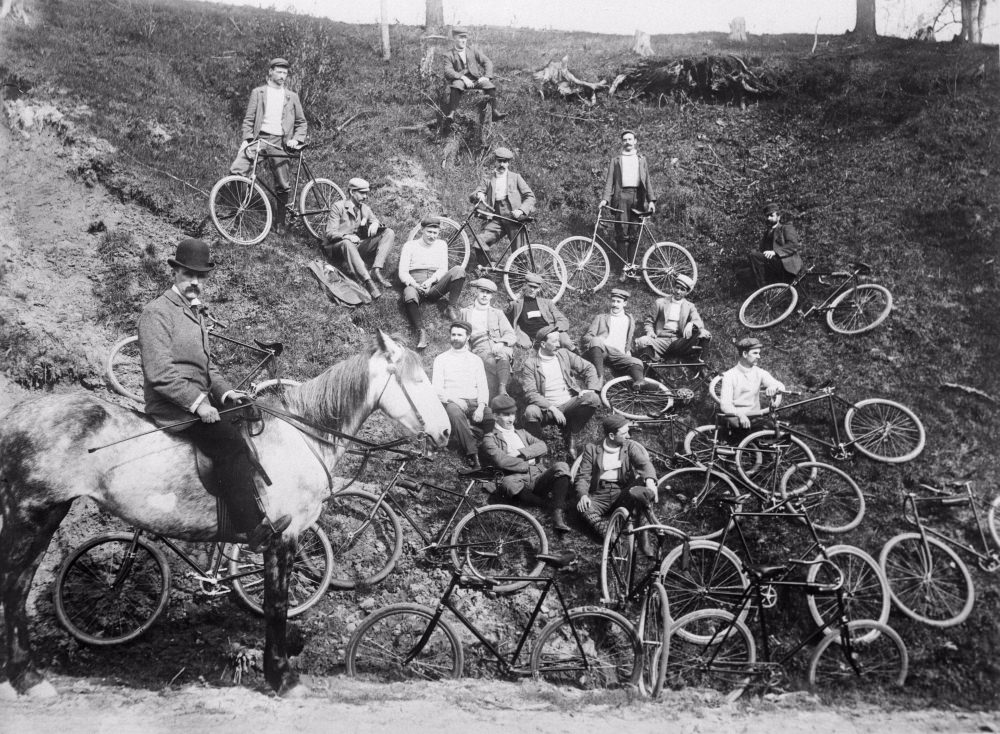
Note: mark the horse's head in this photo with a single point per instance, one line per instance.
(408, 396)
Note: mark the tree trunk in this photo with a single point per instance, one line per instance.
(384, 23)
(966, 33)
(864, 27)
(981, 20)
(434, 16)
(641, 44)
(738, 29)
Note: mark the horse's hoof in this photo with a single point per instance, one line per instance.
(7, 692)
(41, 691)
(295, 691)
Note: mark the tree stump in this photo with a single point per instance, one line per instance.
(641, 45)
(738, 29)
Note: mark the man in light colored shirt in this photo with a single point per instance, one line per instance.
(609, 339)
(459, 378)
(507, 196)
(627, 188)
(425, 275)
(355, 237)
(274, 116)
(741, 387)
(492, 334)
(467, 67)
(676, 329)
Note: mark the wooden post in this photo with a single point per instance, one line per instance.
(641, 44)
(738, 29)
(384, 9)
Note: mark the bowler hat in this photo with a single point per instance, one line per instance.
(193, 255)
(545, 331)
(612, 423)
(503, 154)
(534, 279)
(278, 62)
(461, 325)
(770, 208)
(430, 221)
(358, 184)
(747, 343)
(503, 404)
(484, 284)
(621, 293)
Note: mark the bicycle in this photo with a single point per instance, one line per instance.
(667, 383)
(928, 581)
(241, 211)
(523, 259)
(588, 266)
(492, 540)
(591, 647)
(852, 307)
(114, 587)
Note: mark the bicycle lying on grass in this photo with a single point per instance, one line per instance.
(588, 647)
(114, 587)
(852, 307)
(928, 581)
(667, 383)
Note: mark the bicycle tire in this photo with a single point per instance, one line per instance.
(877, 647)
(715, 389)
(99, 605)
(866, 592)
(609, 654)
(699, 443)
(380, 645)
(663, 262)
(123, 369)
(315, 201)
(832, 499)
(499, 540)
(706, 575)
(240, 210)
(616, 558)
(365, 536)
(859, 309)
(993, 520)
(710, 648)
(587, 265)
(308, 580)
(653, 629)
(542, 261)
(273, 387)
(710, 517)
(928, 584)
(458, 241)
(760, 466)
(768, 306)
(653, 400)
(885, 430)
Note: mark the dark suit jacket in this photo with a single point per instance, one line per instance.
(613, 183)
(479, 65)
(494, 451)
(176, 360)
(518, 194)
(293, 118)
(636, 467)
(785, 243)
(550, 313)
(532, 378)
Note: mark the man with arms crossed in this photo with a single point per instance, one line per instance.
(459, 378)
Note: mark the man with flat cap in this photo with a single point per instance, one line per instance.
(740, 389)
(609, 339)
(777, 259)
(676, 328)
(466, 67)
(614, 472)
(275, 117)
(507, 197)
(531, 311)
(459, 378)
(517, 453)
(560, 388)
(180, 382)
(425, 275)
(355, 237)
(492, 335)
(627, 187)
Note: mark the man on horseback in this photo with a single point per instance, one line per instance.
(180, 380)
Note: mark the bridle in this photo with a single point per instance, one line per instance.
(393, 371)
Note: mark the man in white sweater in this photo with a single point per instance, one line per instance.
(459, 378)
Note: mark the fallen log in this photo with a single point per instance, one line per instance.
(717, 78)
(556, 78)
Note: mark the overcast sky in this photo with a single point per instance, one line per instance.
(895, 17)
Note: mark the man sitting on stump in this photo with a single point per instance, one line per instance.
(466, 67)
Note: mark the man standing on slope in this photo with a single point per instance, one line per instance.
(627, 187)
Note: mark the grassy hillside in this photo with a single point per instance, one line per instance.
(886, 153)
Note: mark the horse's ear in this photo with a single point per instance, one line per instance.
(392, 349)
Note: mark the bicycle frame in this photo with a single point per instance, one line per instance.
(644, 233)
(212, 575)
(636, 590)
(838, 448)
(850, 280)
(480, 250)
(989, 560)
(302, 165)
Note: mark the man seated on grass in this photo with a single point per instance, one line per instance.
(609, 339)
(741, 387)
(676, 329)
(355, 237)
(459, 378)
(777, 259)
(492, 334)
(530, 312)
(466, 67)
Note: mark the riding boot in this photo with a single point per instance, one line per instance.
(559, 521)
(281, 200)
(265, 531)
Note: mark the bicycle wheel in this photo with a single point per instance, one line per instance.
(458, 241)
(499, 540)
(365, 537)
(273, 388)
(587, 266)
(866, 592)
(762, 459)
(859, 309)
(715, 389)
(309, 579)
(123, 368)
(699, 443)
(240, 210)
(382, 645)
(653, 400)
(885, 430)
(697, 501)
(653, 630)
(597, 648)
(705, 575)
(710, 648)
(104, 597)
(315, 201)
(768, 306)
(993, 520)
(929, 583)
(876, 657)
(616, 558)
(832, 499)
(540, 260)
(663, 262)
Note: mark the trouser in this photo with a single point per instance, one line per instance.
(355, 257)
(233, 469)
(464, 435)
(578, 411)
(768, 269)
(538, 487)
(627, 235)
(662, 347)
(447, 290)
(605, 499)
(598, 353)
(496, 359)
(279, 164)
(494, 229)
(455, 97)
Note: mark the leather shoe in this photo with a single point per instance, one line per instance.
(265, 530)
(422, 339)
(452, 313)
(571, 445)
(559, 521)
(472, 461)
(373, 289)
(379, 278)
(497, 116)
(280, 228)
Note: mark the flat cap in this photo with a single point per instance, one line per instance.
(430, 221)
(485, 284)
(621, 293)
(534, 279)
(626, 131)
(545, 331)
(612, 423)
(503, 404)
(459, 30)
(358, 184)
(278, 62)
(503, 154)
(747, 343)
(769, 208)
(461, 325)
(685, 281)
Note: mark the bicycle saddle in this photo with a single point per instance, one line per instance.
(641, 212)
(557, 560)
(862, 268)
(275, 348)
(764, 572)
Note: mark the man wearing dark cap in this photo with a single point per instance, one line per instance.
(355, 237)
(517, 453)
(492, 335)
(627, 187)
(530, 311)
(741, 386)
(181, 383)
(675, 329)
(613, 473)
(609, 339)
(467, 67)
(459, 378)
(560, 388)
(425, 275)
(275, 117)
(777, 259)
(507, 198)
